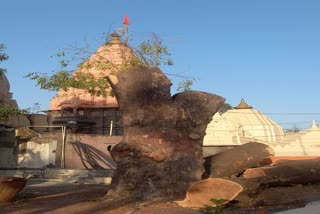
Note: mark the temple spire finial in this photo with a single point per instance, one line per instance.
(115, 38)
(243, 105)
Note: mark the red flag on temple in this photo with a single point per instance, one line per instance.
(126, 20)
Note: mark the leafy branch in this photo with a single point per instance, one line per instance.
(152, 52)
(3, 57)
(185, 85)
(216, 209)
(7, 111)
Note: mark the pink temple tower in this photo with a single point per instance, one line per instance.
(89, 113)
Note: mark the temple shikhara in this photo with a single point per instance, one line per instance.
(88, 113)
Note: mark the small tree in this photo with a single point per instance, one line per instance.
(3, 57)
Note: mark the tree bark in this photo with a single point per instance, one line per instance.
(161, 152)
(286, 173)
(9, 187)
(256, 180)
(235, 161)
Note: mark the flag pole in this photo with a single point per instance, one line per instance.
(126, 23)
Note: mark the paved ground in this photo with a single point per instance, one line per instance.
(311, 208)
(53, 197)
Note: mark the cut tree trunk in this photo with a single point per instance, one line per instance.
(286, 173)
(236, 160)
(289, 173)
(201, 192)
(161, 152)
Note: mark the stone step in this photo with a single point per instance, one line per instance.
(59, 174)
(34, 173)
(95, 180)
(78, 171)
(101, 173)
(65, 171)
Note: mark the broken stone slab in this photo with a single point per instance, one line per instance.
(25, 133)
(94, 180)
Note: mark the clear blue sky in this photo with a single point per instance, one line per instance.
(266, 51)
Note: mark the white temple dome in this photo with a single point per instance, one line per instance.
(241, 125)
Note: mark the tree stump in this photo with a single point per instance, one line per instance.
(160, 155)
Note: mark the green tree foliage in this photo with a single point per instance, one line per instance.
(216, 209)
(65, 79)
(185, 85)
(153, 53)
(3, 57)
(149, 53)
(7, 111)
